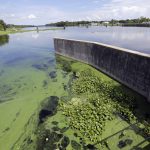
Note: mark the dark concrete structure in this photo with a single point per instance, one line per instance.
(131, 68)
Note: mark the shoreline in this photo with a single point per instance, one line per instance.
(22, 31)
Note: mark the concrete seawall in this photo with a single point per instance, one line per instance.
(129, 67)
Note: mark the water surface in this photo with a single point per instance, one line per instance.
(27, 61)
(134, 38)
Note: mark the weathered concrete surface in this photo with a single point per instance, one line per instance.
(126, 66)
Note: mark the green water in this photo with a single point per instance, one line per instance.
(31, 76)
(23, 86)
(22, 89)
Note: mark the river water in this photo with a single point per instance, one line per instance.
(26, 59)
(134, 38)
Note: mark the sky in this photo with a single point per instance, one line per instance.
(38, 12)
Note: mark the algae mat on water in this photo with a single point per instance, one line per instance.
(23, 86)
(98, 113)
(59, 103)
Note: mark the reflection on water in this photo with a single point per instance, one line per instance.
(35, 36)
(133, 38)
(4, 39)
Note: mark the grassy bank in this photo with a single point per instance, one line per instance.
(21, 30)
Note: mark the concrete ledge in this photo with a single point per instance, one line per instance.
(109, 46)
(129, 67)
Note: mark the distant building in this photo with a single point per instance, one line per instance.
(146, 23)
(94, 24)
(118, 24)
(106, 22)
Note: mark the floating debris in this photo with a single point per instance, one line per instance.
(49, 108)
(45, 83)
(42, 67)
(65, 142)
(53, 74)
(64, 129)
(75, 145)
(47, 139)
(122, 144)
(55, 123)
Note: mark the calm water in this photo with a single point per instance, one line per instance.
(26, 60)
(133, 38)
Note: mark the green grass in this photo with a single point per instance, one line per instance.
(21, 30)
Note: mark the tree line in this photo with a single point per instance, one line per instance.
(131, 21)
(140, 20)
(68, 23)
(4, 26)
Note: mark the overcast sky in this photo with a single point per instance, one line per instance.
(46, 11)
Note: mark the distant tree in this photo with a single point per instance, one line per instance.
(3, 25)
(127, 22)
(143, 19)
(68, 23)
(113, 22)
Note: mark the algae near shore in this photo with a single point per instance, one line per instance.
(86, 118)
(51, 102)
(76, 107)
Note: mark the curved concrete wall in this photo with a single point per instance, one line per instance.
(126, 66)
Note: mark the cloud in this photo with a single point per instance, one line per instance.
(12, 15)
(113, 9)
(74, 10)
(32, 16)
(95, 1)
(119, 9)
(128, 9)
